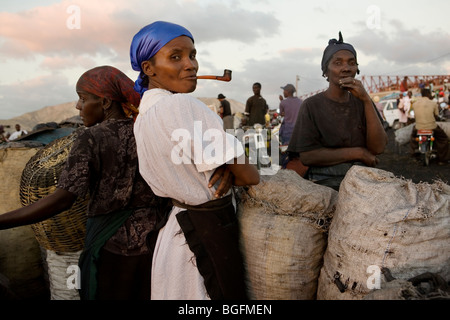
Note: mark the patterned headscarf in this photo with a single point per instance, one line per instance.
(148, 41)
(333, 47)
(111, 83)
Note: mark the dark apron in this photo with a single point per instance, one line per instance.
(212, 234)
(98, 230)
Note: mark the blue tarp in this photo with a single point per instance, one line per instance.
(46, 136)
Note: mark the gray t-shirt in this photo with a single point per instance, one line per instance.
(324, 123)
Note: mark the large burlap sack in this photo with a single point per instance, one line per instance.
(382, 221)
(403, 135)
(20, 255)
(283, 222)
(445, 126)
(63, 273)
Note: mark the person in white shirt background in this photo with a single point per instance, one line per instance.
(18, 133)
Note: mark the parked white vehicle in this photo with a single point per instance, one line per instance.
(390, 112)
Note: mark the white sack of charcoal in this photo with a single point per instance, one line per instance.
(383, 222)
(284, 222)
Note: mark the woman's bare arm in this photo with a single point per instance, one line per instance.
(38, 211)
(333, 156)
(376, 137)
(245, 174)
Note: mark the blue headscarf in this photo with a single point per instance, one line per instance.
(148, 41)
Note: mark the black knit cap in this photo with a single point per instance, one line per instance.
(333, 47)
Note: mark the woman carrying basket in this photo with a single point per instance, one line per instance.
(123, 212)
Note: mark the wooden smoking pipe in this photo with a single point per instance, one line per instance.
(226, 76)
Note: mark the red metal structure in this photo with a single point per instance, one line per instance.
(374, 84)
(394, 83)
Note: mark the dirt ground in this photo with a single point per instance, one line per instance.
(397, 160)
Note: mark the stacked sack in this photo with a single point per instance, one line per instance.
(284, 222)
(384, 223)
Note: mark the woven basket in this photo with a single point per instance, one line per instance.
(64, 232)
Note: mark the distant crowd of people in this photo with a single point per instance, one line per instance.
(257, 111)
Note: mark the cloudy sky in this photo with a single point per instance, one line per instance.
(45, 45)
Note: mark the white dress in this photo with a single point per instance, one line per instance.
(180, 142)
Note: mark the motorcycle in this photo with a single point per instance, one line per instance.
(425, 138)
(258, 145)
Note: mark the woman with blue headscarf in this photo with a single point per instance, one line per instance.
(180, 144)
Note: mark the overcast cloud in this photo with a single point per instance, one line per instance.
(41, 57)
